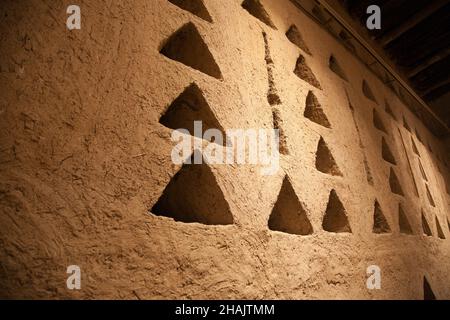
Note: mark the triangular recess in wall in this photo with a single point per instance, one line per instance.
(380, 224)
(440, 233)
(304, 72)
(335, 219)
(193, 195)
(188, 107)
(314, 111)
(294, 35)
(424, 175)
(377, 122)
(406, 125)
(386, 152)
(430, 197)
(414, 147)
(403, 221)
(389, 111)
(368, 91)
(289, 214)
(256, 9)
(418, 136)
(196, 7)
(394, 183)
(187, 46)
(334, 66)
(428, 293)
(325, 161)
(425, 226)
(448, 224)
(278, 125)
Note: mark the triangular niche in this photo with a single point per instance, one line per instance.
(294, 35)
(304, 72)
(428, 293)
(325, 161)
(403, 221)
(334, 65)
(448, 224)
(430, 197)
(406, 125)
(256, 9)
(440, 233)
(386, 152)
(188, 107)
(314, 111)
(394, 183)
(414, 147)
(289, 214)
(368, 91)
(380, 224)
(377, 122)
(193, 195)
(389, 111)
(418, 136)
(425, 226)
(187, 46)
(196, 7)
(335, 219)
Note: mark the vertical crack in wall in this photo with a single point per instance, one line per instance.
(430, 197)
(335, 218)
(256, 9)
(289, 214)
(294, 36)
(403, 221)
(380, 224)
(369, 176)
(278, 124)
(272, 95)
(196, 7)
(414, 147)
(187, 46)
(424, 175)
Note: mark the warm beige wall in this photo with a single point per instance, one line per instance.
(84, 158)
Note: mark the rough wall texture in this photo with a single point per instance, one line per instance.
(84, 158)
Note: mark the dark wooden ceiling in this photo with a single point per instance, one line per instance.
(415, 34)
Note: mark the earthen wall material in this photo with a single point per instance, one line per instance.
(84, 159)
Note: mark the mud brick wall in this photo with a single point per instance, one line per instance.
(87, 178)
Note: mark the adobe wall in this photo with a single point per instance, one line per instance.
(84, 159)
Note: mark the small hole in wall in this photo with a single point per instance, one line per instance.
(380, 224)
(403, 221)
(193, 195)
(377, 122)
(430, 197)
(314, 111)
(196, 7)
(334, 66)
(256, 9)
(187, 46)
(368, 93)
(188, 107)
(335, 219)
(386, 152)
(439, 229)
(325, 161)
(394, 183)
(289, 214)
(428, 293)
(425, 226)
(294, 35)
(304, 72)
